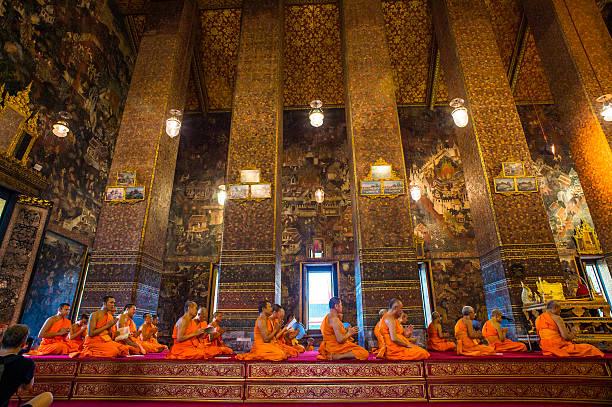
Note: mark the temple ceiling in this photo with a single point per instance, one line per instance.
(313, 52)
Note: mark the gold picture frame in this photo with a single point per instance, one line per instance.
(126, 178)
(511, 169)
(382, 182)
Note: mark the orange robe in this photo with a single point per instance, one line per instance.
(309, 348)
(189, 349)
(205, 342)
(467, 346)
(397, 352)
(55, 345)
(102, 345)
(382, 348)
(139, 350)
(288, 349)
(76, 344)
(492, 337)
(331, 346)
(150, 345)
(218, 342)
(262, 350)
(295, 345)
(435, 343)
(553, 344)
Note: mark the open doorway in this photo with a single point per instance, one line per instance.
(320, 282)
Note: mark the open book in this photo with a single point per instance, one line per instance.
(122, 333)
(290, 324)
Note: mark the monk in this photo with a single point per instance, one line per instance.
(291, 335)
(436, 339)
(556, 339)
(309, 344)
(53, 334)
(101, 329)
(146, 333)
(215, 338)
(204, 338)
(77, 333)
(155, 322)
(398, 347)
(337, 340)
(264, 347)
(467, 338)
(380, 349)
(278, 318)
(496, 335)
(185, 335)
(126, 320)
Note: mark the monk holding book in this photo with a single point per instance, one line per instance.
(265, 346)
(54, 334)
(436, 339)
(132, 340)
(185, 335)
(215, 337)
(78, 330)
(338, 341)
(556, 339)
(496, 335)
(278, 315)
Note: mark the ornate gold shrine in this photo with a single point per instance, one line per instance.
(586, 239)
(18, 133)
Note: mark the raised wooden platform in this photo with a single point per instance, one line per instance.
(444, 377)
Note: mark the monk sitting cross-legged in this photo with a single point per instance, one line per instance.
(337, 341)
(200, 320)
(278, 319)
(467, 342)
(77, 333)
(380, 349)
(436, 339)
(398, 347)
(496, 335)
(146, 333)
(185, 335)
(100, 333)
(556, 339)
(291, 337)
(53, 334)
(215, 338)
(133, 341)
(264, 347)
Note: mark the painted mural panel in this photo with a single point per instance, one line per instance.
(77, 58)
(55, 279)
(558, 180)
(196, 218)
(442, 216)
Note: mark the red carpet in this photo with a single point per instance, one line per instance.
(270, 404)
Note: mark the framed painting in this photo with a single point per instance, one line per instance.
(513, 169)
(371, 188)
(134, 193)
(239, 191)
(56, 277)
(381, 172)
(394, 187)
(126, 178)
(527, 184)
(249, 176)
(503, 185)
(115, 194)
(261, 191)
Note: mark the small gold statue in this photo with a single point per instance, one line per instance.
(550, 291)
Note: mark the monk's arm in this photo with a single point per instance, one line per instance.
(565, 334)
(337, 327)
(93, 321)
(44, 331)
(500, 332)
(213, 336)
(76, 331)
(439, 329)
(182, 328)
(395, 338)
(471, 333)
(146, 336)
(266, 335)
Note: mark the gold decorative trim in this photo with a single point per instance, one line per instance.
(34, 201)
(381, 181)
(586, 239)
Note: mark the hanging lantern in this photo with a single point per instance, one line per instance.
(316, 113)
(61, 127)
(459, 113)
(173, 122)
(415, 191)
(319, 195)
(606, 108)
(221, 195)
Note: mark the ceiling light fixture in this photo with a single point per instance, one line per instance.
(61, 127)
(459, 113)
(319, 195)
(316, 113)
(415, 191)
(173, 122)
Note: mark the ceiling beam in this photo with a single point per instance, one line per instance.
(518, 52)
(433, 75)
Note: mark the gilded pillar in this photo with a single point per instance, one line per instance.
(250, 249)
(126, 260)
(576, 51)
(513, 235)
(385, 264)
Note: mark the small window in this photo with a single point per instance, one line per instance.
(425, 291)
